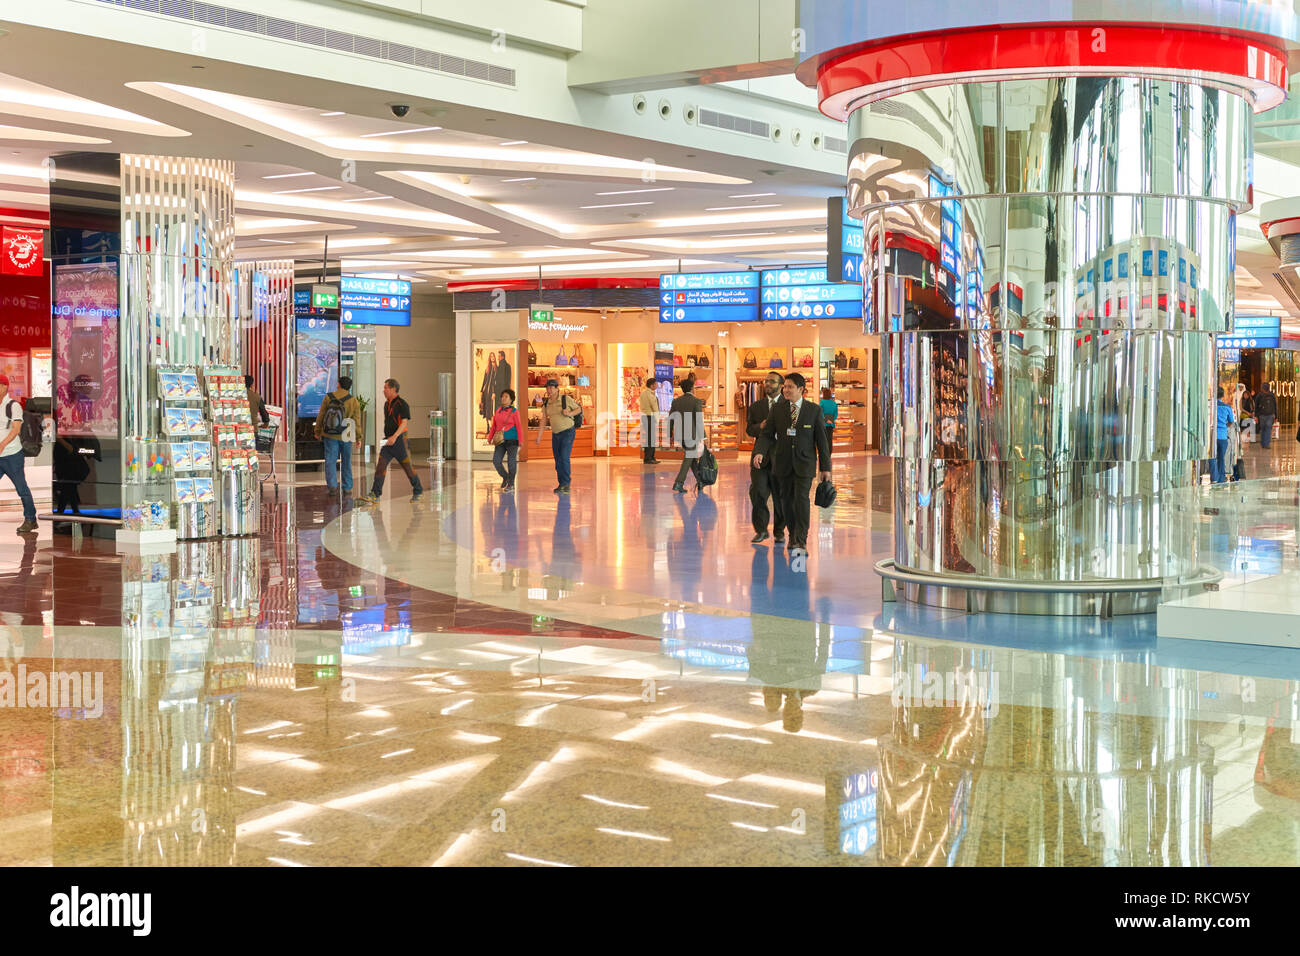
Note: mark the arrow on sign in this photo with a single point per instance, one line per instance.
(668, 298)
(767, 313)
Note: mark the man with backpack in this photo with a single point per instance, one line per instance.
(14, 454)
(1266, 412)
(337, 425)
(564, 416)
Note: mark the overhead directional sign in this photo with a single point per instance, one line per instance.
(804, 293)
(708, 297)
(1253, 332)
(844, 242)
(366, 301)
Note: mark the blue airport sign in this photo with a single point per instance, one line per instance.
(844, 242)
(708, 297)
(804, 293)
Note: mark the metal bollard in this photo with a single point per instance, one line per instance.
(437, 436)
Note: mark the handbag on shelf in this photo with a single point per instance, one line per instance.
(853, 362)
(532, 356)
(703, 360)
(677, 361)
(561, 358)
(807, 361)
(775, 361)
(583, 381)
(690, 361)
(576, 357)
(751, 360)
(841, 360)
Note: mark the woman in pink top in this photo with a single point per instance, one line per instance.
(507, 422)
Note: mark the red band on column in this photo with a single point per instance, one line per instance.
(1255, 69)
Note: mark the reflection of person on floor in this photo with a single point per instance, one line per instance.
(685, 552)
(787, 655)
(564, 557)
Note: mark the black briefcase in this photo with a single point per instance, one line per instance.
(825, 495)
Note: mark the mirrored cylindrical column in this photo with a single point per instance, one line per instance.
(1047, 263)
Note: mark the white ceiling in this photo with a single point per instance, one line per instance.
(446, 192)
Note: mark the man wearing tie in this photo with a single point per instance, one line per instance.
(760, 479)
(794, 436)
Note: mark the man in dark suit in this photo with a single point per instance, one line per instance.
(686, 424)
(794, 435)
(760, 479)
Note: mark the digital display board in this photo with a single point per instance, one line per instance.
(805, 293)
(708, 297)
(365, 301)
(844, 242)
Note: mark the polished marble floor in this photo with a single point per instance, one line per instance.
(616, 677)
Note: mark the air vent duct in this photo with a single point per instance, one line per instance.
(734, 124)
(310, 35)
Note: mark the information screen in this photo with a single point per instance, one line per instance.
(317, 345)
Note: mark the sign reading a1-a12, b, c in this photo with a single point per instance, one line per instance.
(804, 293)
(708, 297)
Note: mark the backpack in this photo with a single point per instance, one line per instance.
(706, 468)
(29, 435)
(577, 419)
(334, 421)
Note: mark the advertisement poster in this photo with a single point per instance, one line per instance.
(317, 346)
(85, 316)
(14, 364)
(493, 373)
(42, 373)
(664, 374)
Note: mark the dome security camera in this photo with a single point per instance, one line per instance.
(399, 109)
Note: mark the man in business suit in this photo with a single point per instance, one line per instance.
(760, 479)
(794, 435)
(686, 422)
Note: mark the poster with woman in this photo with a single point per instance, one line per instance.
(85, 337)
(493, 373)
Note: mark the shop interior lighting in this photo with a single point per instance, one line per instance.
(367, 198)
(287, 175)
(309, 189)
(521, 179)
(750, 195)
(761, 205)
(515, 142)
(618, 205)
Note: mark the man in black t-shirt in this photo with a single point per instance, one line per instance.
(397, 419)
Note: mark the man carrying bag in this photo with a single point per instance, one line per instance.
(794, 435)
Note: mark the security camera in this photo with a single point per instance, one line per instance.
(399, 109)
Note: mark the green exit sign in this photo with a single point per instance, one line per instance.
(324, 297)
(541, 313)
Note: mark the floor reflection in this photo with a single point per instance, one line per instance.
(616, 680)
